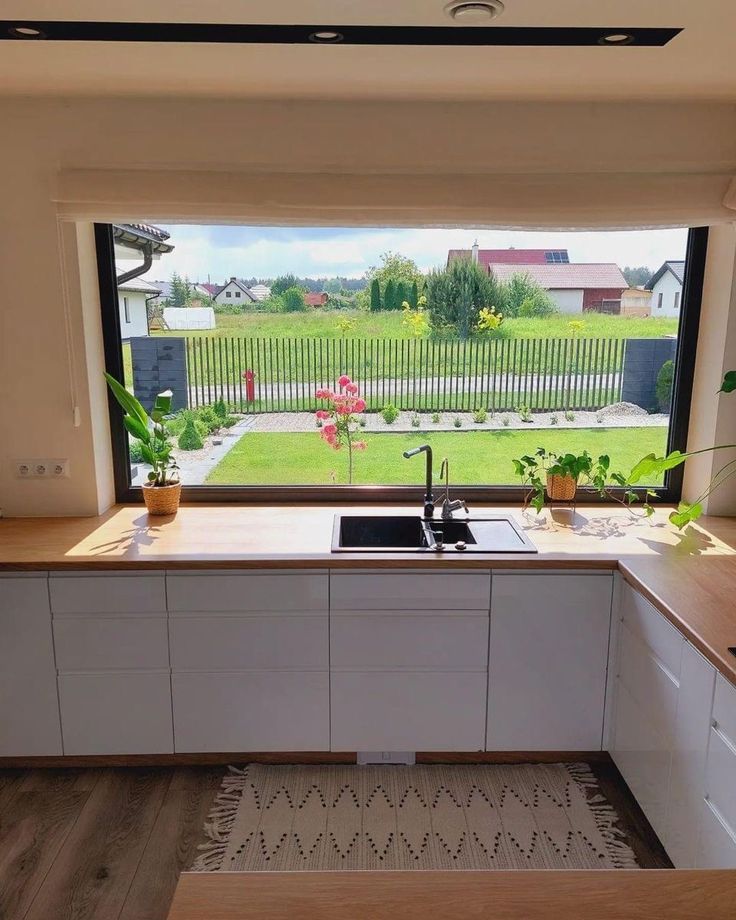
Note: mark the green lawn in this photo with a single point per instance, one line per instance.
(388, 325)
(476, 457)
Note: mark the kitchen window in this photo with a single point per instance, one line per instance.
(549, 357)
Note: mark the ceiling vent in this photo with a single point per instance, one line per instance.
(471, 12)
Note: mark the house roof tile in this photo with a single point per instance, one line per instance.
(572, 276)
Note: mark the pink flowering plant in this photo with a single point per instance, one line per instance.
(340, 418)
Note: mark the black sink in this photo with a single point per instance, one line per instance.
(407, 534)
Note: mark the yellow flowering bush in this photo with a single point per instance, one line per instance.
(345, 325)
(576, 326)
(416, 321)
(488, 319)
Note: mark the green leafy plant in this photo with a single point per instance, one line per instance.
(480, 416)
(220, 409)
(569, 416)
(663, 386)
(505, 421)
(416, 420)
(524, 413)
(554, 419)
(457, 422)
(436, 418)
(389, 413)
(293, 300)
(344, 406)
(362, 421)
(190, 438)
(149, 431)
(591, 474)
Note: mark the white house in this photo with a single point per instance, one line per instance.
(234, 293)
(261, 291)
(576, 287)
(133, 297)
(666, 288)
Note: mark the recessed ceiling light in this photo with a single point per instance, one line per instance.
(471, 12)
(616, 38)
(25, 32)
(326, 37)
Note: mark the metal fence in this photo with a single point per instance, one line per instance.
(421, 374)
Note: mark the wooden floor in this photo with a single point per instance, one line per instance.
(109, 844)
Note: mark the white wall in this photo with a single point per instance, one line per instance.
(237, 296)
(667, 286)
(550, 157)
(189, 318)
(568, 301)
(138, 324)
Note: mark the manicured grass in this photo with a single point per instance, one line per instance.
(389, 325)
(477, 457)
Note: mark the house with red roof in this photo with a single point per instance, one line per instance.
(313, 299)
(575, 287)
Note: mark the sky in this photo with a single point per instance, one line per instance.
(216, 253)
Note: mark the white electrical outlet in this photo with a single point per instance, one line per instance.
(42, 469)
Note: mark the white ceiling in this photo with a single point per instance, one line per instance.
(698, 64)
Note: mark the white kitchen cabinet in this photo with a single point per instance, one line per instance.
(717, 839)
(241, 592)
(547, 666)
(116, 712)
(29, 705)
(418, 590)
(690, 744)
(130, 593)
(242, 711)
(408, 710)
(97, 643)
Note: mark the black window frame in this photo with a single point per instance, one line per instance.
(669, 493)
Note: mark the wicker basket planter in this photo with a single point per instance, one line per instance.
(561, 488)
(162, 499)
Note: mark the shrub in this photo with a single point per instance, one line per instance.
(506, 421)
(457, 422)
(190, 438)
(209, 418)
(293, 300)
(663, 386)
(375, 296)
(436, 418)
(389, 413)
(219, 408)
(524, 297)
(525, 414)
(457, 294)
(480, 416)
(229, 422)
(416, 420)
(554, 420)
(362, 421)
(569, 416)
(135, 452)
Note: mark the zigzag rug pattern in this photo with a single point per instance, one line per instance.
(522, 816)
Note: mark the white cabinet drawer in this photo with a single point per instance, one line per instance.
(223, 592)
(130, 593)
(394, 641)
(99, 643)
(29, 706)
(547, 666)
(245, 642)
(642, 754)
(652, 687)
(410, 590)
(116, 713)
(645, 621)
(687, 776)
(724, 708)
(408, 711)
(720, 778)
(251, 711)
(716, 841)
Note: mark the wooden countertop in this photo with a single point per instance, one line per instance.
(417, 895)
(689, 576)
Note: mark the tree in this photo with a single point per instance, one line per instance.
(413, 297)
(375, 295)
(181, 291)
(393, 268)
(638, 276)
(283, 283)
(402, 294)
(293, 300)
(389, 295)
(457, 294)
(524, 297)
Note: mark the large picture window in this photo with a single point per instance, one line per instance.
(487, 345)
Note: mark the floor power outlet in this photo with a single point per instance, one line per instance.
(405, 758)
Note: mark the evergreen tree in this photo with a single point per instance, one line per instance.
(389, 295)
(402, 294)
(413, 297)
(181, 291)
(375, 295)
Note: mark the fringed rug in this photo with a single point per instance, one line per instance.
(528, 816)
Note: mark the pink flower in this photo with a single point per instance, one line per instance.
(329, 431)
(360, 445)
(344, 380)
(351, 388)
(342, 408)
(322, 413)
(359, 405)
(324, 393)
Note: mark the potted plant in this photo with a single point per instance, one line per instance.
(162, 492)
(559, 476)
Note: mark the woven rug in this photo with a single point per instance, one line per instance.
(527, 816)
